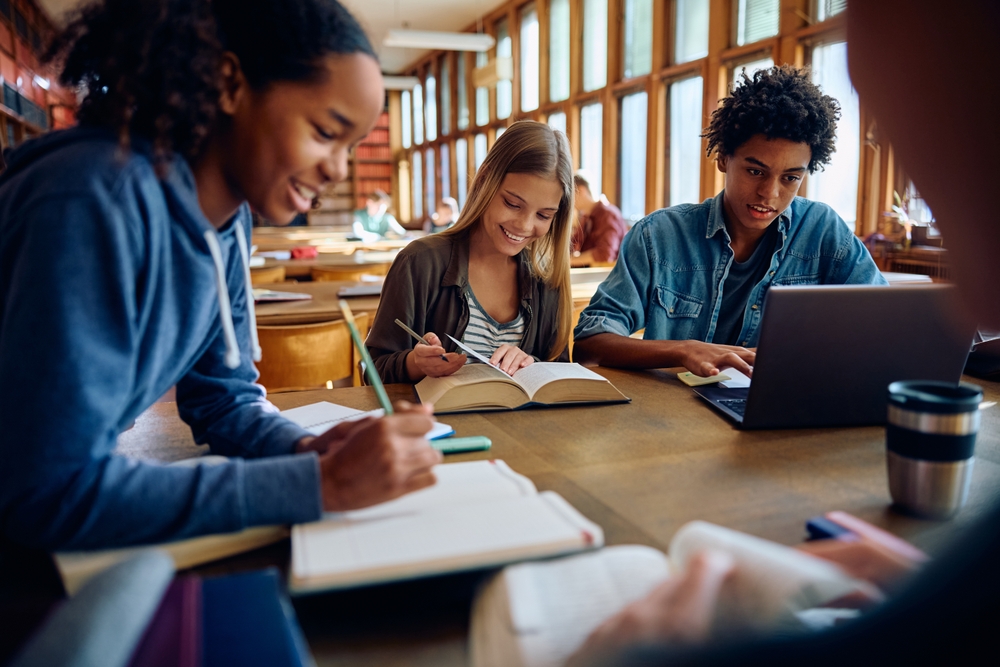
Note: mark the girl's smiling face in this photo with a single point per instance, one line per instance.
(285, 143)
(521, 211)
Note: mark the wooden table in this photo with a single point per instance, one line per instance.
(322, 307)
(327, 239)
(639, 470)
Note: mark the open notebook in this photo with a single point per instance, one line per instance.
(319, 417)
(479, 514)
(539, 614)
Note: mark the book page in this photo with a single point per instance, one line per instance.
(329, 555)
(430, 390)
(771, 581)
(555, 605)
(457, 484)
(537, 375)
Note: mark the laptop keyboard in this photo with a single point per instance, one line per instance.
(737, 405)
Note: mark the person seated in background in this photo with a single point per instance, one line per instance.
(374, 222)
(499, 279)
(694, 276)
(598, 228)
(444, 217)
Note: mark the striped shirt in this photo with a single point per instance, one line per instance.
(485, 335)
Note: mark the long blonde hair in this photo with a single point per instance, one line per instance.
(530, 147)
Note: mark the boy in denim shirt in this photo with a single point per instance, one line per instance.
(695, 276)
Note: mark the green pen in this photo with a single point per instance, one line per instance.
(373, 379)
(476, 443)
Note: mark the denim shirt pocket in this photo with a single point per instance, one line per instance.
(676, 316)
(801, 279)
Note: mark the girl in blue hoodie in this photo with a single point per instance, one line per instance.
(124, 272)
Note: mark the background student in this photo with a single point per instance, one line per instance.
(499, 279)
(374, 222)
(598, 228)
(123, 272)
(695, 276)
(444, 217)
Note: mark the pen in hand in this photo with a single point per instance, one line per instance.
(418, 337)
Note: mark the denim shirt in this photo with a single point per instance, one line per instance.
(673, 263)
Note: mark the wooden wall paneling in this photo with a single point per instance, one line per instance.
(544, 16)
(514, 28)
(612, 104)
(656, 126)
(792, 17)
(395, 146)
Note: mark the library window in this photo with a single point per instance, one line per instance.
(691, 30)
(633, 156)
(430, 182)
(505, 89)
(756, 20)
(592, 144)
(827, 8)
(482, 94)
(749, 68)
(461, 170)
(479, 149)
(836, 185)
(595, 44)
(558, 50)
(418, 114)
(432, 119)
(685, 141)
(638, 42)
(500, 131)
(529, 58)
(406, 117)
(445, 172)
(463, 94)
(418, 186)
(557, 121)
(445, 96)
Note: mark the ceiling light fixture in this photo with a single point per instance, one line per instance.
(439, 41)
(399, 82)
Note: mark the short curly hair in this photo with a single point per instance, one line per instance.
(780, 103)
(151, 68)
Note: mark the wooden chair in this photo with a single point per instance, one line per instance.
(267, 275)
(347, 273)
(309, 356)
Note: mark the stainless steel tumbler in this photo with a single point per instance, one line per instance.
(930, 440)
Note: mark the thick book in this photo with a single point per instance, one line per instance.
(173, 637)
(479, 514)
(477, 387)
(76, 567)
(248, 621)
(539, 614)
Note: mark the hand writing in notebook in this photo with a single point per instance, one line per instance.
(373, 460)
(425, 360)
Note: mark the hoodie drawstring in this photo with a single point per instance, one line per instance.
(241, 239)
(232, 359)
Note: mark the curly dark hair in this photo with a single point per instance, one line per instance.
(780, 103)
(151, 68)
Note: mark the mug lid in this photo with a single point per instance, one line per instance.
(935, 396)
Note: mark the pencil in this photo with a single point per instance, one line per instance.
(417, 336)
(373, 379)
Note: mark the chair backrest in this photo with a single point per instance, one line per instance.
(308, 356)
(347, 273)
(267, 275)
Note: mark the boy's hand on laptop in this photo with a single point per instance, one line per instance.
(379, 459)
(427, 362)
(708, 359)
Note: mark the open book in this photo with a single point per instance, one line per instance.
(482, 387)
(479, 514)
(539, 614)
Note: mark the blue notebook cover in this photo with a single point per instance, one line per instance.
(248, 621)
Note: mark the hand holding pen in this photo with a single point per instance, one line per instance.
(428, 357)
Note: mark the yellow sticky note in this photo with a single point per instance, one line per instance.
(692, 380)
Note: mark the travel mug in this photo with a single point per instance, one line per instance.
(930, 440)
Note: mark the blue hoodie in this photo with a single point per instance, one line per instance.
(109, 296)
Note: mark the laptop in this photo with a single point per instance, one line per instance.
(827, 353)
